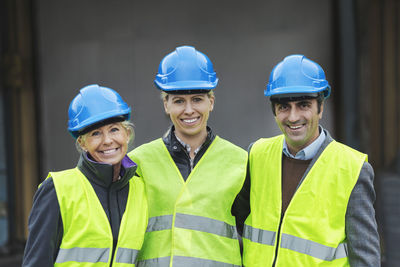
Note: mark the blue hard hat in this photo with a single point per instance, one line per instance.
(94, 104)
(186, 69)
(297, 75)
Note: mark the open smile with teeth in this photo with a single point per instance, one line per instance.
(190, 120)
(109, 151)
(295, 127)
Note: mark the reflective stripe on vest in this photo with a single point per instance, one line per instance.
(83, 255)
(313, 249)
(126, 255)
(87, 238)
(191, 219)
(157, 262)
(313, 226)
(258, 235)
(160, 223)
(180, 261)
(192, 222)
(297, 244)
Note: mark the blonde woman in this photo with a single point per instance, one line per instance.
(191, 175)
(94, 214)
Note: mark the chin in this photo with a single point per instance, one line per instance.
(112, 162)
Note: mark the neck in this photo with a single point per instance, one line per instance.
(116, 171)
(295, 148)
(194, 141)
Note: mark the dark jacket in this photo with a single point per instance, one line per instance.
(179, 153)
(45, 222)
(361, 228)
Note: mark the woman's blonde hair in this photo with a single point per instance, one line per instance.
(127, 125)
(164, 95)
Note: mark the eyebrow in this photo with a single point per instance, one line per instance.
(110, 125)
(176, 96)
(304, 101)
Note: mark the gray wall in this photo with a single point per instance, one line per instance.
(120, 43)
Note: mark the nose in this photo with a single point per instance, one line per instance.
(107, 139)
(189, 108)
(294, 115)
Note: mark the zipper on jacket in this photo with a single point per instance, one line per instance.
(110, 211)
(110, 199)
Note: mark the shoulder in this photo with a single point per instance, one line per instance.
(341, 151)
(228, 144)
(342, 148)
(262, 144)
(146, 146)
(61, 174)
(45, 199)
(367, 175)
(364, 187)
(45, 188)
(144, 152)
(66, 178)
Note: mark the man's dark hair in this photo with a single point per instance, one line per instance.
(285, 100)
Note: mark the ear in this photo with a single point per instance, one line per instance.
(128, 131)
(81, 143)
(321, 110)
(212, 101)
(165, 101)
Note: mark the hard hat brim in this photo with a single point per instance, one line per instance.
(76, 131)
(186, 85)
(298, 91)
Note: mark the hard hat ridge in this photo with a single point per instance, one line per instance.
(299, 75)
(186, 69)
(92, 105)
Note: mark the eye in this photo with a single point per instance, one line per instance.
(282, 107)
(95, 133)
(177, 101)
(114, 129)
(197, 99)
(305, 104)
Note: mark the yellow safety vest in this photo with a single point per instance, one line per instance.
(87, 239)
(312, 230)
(190, 221)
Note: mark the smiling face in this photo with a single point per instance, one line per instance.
(298, 121)
(106, 144)
(189, 114)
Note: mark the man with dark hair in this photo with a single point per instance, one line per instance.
(311, 198)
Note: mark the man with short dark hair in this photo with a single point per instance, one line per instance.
(311, 198)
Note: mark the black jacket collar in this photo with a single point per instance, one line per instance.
(179, 153)
(102, 173)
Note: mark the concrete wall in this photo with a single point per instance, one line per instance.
(120, 43)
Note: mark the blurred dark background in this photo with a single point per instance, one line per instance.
(50, 49)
